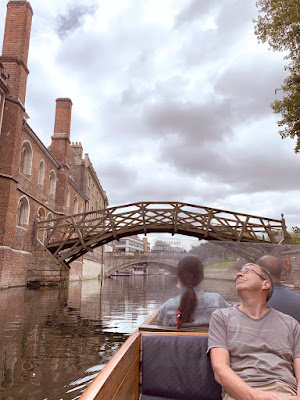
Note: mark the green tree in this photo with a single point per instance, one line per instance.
(278, 24)
(295, 234)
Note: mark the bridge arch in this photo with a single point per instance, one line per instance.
(114, 263)
(68, 238)
(166, 266)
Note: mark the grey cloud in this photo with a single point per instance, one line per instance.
(194, 10)
(250, 86)
(115, 174)
(232, 19)
(193, 122)
(150, 188)
(73, 19)
(244, 169)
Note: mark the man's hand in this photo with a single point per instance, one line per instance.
(258, 395)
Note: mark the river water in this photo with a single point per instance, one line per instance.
(54, 341)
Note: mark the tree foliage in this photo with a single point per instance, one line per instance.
(278, 24)
(295, 234)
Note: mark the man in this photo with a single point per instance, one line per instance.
(283, 299)
(255, 350)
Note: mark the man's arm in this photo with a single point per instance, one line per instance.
(297, 374)
(231, 382)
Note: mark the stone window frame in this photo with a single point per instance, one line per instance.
(23, 212)
(52, 186)
(68, 196)
(49, 217)
(2, 102)
(75, 204)
(41, 234)
(41, 175)
(26, 158)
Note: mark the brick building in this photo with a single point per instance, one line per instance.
(36, 182)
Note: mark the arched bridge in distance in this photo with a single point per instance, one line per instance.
(117, 261)
(69, 237)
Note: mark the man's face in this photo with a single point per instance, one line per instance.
(250, 278)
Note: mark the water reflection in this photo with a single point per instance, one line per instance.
(54, 341)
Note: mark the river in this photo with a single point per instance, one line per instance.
(54, 341)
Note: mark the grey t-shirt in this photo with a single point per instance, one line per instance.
(261, 350)
(207, 303)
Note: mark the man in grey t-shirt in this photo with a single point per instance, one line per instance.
(255, 350)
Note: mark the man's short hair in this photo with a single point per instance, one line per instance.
(272, 264)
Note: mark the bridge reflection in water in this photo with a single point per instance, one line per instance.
(54, 341)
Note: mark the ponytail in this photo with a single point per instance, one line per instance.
(190, 273)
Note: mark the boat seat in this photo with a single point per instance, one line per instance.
(176, 367)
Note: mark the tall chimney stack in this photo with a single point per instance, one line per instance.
(60, 146)
(16, 46)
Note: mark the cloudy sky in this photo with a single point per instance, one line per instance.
(170, 100)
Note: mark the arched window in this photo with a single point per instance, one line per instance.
(41, 217)
(81, 207)
(49, 217)
(2, 101)
(26, 158)
(75, 208)
(41, 173)
(23, 212)
(68, 197)
(52, 182)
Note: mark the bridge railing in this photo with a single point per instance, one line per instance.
(81, 232)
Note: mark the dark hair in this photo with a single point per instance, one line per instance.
(190, 273)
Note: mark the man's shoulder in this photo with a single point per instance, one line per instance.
(225, 312)
(275, 314)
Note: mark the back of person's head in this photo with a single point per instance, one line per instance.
(190, 272)
(272, 264)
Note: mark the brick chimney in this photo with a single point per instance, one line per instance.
(60, 146)
(77, 149)
(16, 45)
(14, 60)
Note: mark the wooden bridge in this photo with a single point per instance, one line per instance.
(67, 238)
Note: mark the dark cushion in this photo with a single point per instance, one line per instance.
(146, 397)
(177, 367)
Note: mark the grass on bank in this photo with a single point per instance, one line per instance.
(221, 265)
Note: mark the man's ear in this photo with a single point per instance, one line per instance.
(266, 284)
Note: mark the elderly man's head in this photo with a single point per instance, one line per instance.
(254, 277)
(271, 264)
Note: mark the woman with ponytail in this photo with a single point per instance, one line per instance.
(192, 307)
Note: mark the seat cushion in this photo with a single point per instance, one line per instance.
(177, 367)
(146, 397)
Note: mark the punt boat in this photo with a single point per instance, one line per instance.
(158, 363)
(163, 363)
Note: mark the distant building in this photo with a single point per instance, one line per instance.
(37, 183)
(131, 244)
